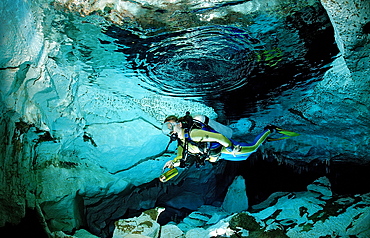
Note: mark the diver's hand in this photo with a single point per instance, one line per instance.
(229, 149)
(168, 164)
(233, 149)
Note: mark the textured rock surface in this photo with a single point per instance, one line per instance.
(236, 199)
(144, 226)
(314, 213)
(171, 231)
(78, 234)
(73, 140)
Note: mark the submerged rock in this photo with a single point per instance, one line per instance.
(236, 199)
(78, 234)
(143, 226)
(314, 213)
(171, 231)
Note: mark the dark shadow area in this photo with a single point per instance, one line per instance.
(263, 178)
(266, 176)
(172, 214)
(268, 81)
(349, 178)
(30, 226)
(192, 188)
(221, 184)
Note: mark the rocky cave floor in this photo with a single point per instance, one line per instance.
(283, 202)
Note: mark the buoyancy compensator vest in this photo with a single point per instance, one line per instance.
(206, 148)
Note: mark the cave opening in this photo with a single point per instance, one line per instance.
(265, 175)
(30, 224)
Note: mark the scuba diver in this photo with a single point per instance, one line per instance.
(202, 139)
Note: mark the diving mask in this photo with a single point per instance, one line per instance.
(168, 128)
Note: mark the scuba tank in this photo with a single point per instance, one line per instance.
(218, 127)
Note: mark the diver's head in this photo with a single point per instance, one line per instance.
(168, 127)
(171, 127)
(171, 118)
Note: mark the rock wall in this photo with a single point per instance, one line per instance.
(336, 109)
(63, 141)
(22, 56)
(333, 114)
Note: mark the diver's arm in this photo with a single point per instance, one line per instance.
(176, 161)
(207, 136)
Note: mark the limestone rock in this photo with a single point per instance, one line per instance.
(316, 214)
(197, 233)
(136, 236)
(204, 217)
(236, 199)
(84, 234)
(78, 234)
(171, 231)
(143, 226)
(321, 186)
(351, 33)
(222, 228)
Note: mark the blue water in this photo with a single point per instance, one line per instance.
(237, 66)
(193, 62)
(232, 69)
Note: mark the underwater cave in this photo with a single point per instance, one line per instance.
(86, 87)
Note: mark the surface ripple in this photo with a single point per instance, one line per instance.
(197, 62)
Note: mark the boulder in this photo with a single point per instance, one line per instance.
(171, 231)
(197, 233)
(143, 226)
(313, 213)
(236, 199)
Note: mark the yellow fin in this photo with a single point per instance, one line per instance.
(287, 133)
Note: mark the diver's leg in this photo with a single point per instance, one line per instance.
(249, 147)
(258, 141)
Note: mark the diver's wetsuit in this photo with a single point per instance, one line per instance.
(199, 135)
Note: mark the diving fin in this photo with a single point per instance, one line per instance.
(275, 139)
(288, 134)
(168, 175)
